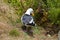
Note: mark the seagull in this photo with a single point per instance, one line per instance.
(28, 20)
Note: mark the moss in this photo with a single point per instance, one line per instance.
(14, 32)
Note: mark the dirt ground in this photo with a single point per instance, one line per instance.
(23, 36)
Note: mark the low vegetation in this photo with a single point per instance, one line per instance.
(47, 12)
(14, 32)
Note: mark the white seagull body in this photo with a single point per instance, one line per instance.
(27, 18)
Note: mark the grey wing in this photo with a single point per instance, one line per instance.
(26, 19)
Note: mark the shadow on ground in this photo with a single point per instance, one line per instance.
(28, 30)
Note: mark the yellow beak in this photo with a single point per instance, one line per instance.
(32, 14)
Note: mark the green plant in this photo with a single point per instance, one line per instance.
(14, 32)
(54, 15)
(54, 11)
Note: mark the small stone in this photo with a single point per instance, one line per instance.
(49, 35)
